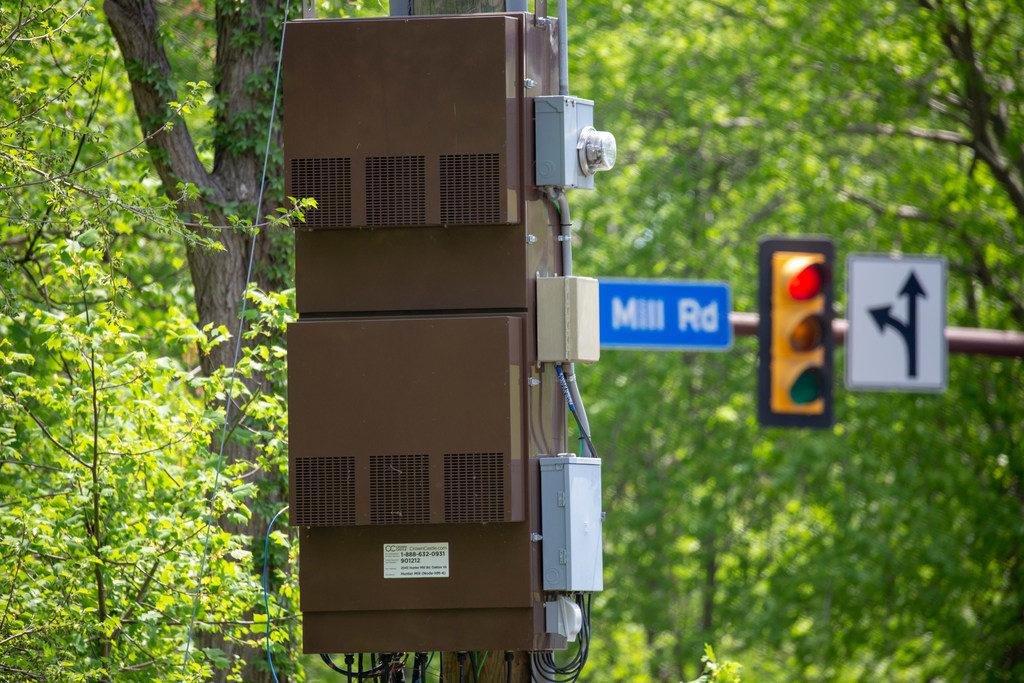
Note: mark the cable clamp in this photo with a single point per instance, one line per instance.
(564, 238)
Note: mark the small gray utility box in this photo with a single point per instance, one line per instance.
(558, 121)
(571, 518)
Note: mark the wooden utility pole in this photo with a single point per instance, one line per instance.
(492, 666)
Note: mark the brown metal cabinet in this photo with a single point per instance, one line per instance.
(413, 419)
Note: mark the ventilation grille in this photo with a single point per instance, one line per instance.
(329, 182)
(474, 487)
(470, 188)
(396, 191)
(399, 489)
(324, 491)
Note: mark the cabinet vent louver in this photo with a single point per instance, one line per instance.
(399, 489)
(470, 188)
(474, 487)
(396, 190)
(329, 182)
(324, 491)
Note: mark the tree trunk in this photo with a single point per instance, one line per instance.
(218, 277)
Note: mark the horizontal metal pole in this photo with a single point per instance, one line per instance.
(967, 340)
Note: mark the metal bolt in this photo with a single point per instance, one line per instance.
(536, 538)
(529, 82)
(533, 381)
(531, 239)
(544, 21)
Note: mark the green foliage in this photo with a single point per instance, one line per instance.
(888, 548)
(727, 672)
(851, 554)
(106, 422)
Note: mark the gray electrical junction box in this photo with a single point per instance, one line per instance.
(558, 121)
(571, 521)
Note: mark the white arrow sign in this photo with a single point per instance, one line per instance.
(897, 312)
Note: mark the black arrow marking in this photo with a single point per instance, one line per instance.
(912, 290)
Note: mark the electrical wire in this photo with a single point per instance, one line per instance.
(461, 656)
(266, 590)
(572, 409)
(509, 656)
(420, 663)
(561, 204)
(543, 665)
(359, 674)
(480, 668)
(424, 667)
(396, 670)
(238, 348)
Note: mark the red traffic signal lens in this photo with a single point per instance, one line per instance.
(808, 334)
(807, 387)
(807, 283)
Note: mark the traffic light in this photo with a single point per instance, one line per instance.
(795, 332)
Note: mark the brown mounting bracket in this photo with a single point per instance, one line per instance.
(309, 9)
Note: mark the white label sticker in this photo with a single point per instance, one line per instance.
(415, 560)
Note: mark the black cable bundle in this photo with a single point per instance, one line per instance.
(419, 667)
(462, 666)
(544, 666)
(377, 670)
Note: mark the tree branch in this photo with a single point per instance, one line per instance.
(134, 23)
(909, 131)
(904, 211)
(986, 119)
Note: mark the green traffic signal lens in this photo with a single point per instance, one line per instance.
(807, 387)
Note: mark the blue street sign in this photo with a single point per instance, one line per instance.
(667, 315)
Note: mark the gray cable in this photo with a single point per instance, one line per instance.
(565, 233)
(563, 48)
(565, 236)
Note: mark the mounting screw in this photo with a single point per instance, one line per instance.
(533, 381)
(544, 21)
(531, 239)
(529, 83)
(536, 538)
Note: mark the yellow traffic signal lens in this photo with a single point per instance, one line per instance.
(807, 283)
(807, 387)
(808, 334)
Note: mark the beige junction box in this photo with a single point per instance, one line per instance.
(568, 325)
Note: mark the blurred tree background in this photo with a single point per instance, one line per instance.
(888, 548)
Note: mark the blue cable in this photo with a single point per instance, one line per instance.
(266, 592)
(565, 389)
(238, 348)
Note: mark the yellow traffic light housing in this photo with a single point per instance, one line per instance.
(795, 332)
